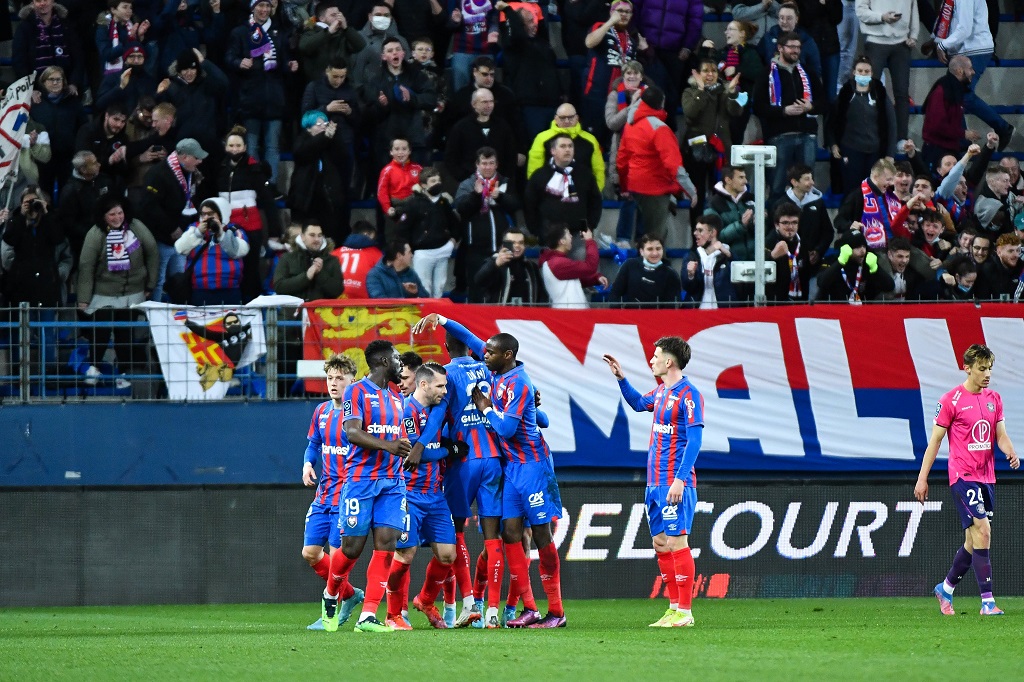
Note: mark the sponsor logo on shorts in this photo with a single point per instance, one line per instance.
(980, 507)
(536, 499)
(541, 515)
(670, 511)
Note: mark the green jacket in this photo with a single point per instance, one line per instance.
(318, 47)
(94, 278)
(290, 276)
(738, 236)
(539, 153)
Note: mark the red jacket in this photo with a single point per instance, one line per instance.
(396, 183)
(944, 115)
(649, 156)
(565, 268)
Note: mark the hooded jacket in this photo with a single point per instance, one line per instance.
(219, 265)
(383, 281)
(738, 236)
(587, 149)
(816, 230)
(26, 38)
(649, 161)
(564, 278)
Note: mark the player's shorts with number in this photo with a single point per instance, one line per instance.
(371, 504)
(973, 500)
(322, 525)
(670, 519)
(474, 479)
(428, 520)
(531, 492)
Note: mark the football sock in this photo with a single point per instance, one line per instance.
(983, 572)
(461, 565)
(495, 571)
(376, 580)
(550, 578)
(684, 569)
(397, 577)
(668, 577)
(449, 586)
(480, 575)
(529, 603)
(437, 573)
(323, 567)
(518, 569)
(961, 564)
(341, 566)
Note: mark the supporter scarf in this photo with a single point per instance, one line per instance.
(876, 222)
(623, 97)
(709, 301)
(621, 51)
(794, 270)
(49, 48)
(561, 184)
(775, 85)
(121, 243)
(855, 289)
(944, 20)
(114, 32)
(488, 189)
(260, 44)
(186, 183)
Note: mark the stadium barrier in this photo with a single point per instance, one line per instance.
(751, 538)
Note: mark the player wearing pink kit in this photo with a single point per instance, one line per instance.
(972, 415)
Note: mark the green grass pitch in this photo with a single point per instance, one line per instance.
(785, 639)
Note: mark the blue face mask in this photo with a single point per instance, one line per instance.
(649, 264)
(964, 289)
(862, 81)
(741, 99)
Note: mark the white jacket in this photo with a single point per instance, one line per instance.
(968, 30)
(869, 13)
(564, 293)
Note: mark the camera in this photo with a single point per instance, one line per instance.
(507, 244)
(37, 205)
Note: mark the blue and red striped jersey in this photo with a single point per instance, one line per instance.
(514, 397)
(379, 411)
(215, 269)
(327, 437)
(478, 19)
(465, 422)
(428, 475)
(676, 409)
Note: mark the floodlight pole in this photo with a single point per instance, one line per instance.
(761, 157)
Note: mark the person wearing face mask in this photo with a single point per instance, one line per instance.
(861, 126)
(647, 278)
(127, 84)
(433, 228)
(961, 282)
(380, 27)
(197, 88)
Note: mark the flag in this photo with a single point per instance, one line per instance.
(15, 107)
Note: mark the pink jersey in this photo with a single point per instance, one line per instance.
(970, 420)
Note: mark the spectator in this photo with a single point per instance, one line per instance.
(994, 205)
(861, 126)
(889, 28)
(673, 30)
(379, 29)
(60, 113)
(475, 32)
(327, 41)
(116, 32)
(849, 38)
(36, 257)
(612, 44)
(1012, 166)
(430, 224)
(197, 88)
(789, 17)
(532, 74)
(393, 276)
(331, 93)
(706, 277)
(783, 245)
(565, 278)
(506, 106)
(872, 210)
(358, 255)
(908, 283)
(416, 19)
(76, 211)
(486, 203)
(562, 192)
(902, 180)
(129, 83)
(107, 139)
(762, 15)
(710, 107)
(816, 231)
(310, 271)
(928, 239)
(650, 165)
(177, 30)
(734, 206)
(395, 184)
(169, 205)
(944, 130)
(787, 102)
(140, 123)
(509, 277)
(854, 276)
(1001, 276)
(621, 102)
(259, 55)
(423, 57)
(242, 184)
(482, 128)
(588, 151)
(35, 153)
(743, 59)
(577, 18)
(153, 148)
(647, 278)
(214, 249)
(820, 19)
(964, 285)
(46, 37)
(964, 30)
(318, 192)
(118, 269)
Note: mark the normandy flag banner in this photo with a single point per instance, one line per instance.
(15, 107)
(201, 349)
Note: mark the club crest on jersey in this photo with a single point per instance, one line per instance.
(991, 407)
(352, 521)
(404, 537)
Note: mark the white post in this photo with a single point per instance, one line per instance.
(761, 157)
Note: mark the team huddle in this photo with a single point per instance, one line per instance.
(405, 467)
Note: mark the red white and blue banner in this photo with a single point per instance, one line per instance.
(801, 389)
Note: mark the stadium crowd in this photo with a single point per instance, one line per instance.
(152, 162)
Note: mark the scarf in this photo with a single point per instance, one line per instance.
(186, 183)
(855, 289)
(121, 243)
(561, 184)
(260, 44)
(709, 301)
(50, 47)
(488, 189)
(114, 33)
(622, 96)
(795, 291)
(877, 223)
(775, 85)
(944, 20)
(732, 58)
(620, 51)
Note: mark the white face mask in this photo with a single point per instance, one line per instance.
(381, 23)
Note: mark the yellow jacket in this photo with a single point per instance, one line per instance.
(538, 151)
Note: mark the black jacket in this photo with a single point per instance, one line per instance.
(163, 202)
(544, 208)
(427, 224)
(637, 283)
(319, 94)
(995, 279)
(92, 137)
(317, 188)
(76, 211)
(530, 69)
(39, 261)
(835, 126)
(832, 287)
(467, 136)
(774, 119)
(261, 93)
(200, 105)
(779, 289)
(505, 107)
(518, 279)
(399, 118)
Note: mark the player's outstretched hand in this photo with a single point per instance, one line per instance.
(308, 475)
(428, 323)
(921, 491)
(413, 460)
(401, 447)
(1014, 460)
(614, 366)
(481, 401)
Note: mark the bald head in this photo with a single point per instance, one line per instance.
(565, 116)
